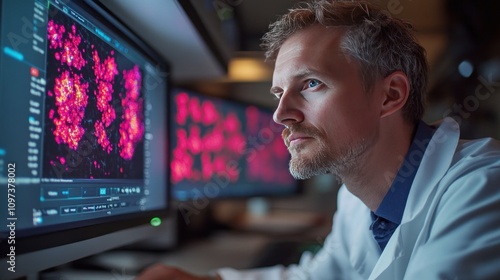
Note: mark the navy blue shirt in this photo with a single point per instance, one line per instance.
(388, 215)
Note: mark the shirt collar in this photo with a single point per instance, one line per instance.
(394, 202)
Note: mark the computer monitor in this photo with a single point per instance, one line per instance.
(83, 145)
(223, 149)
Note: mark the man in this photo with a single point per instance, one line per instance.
(417, 202)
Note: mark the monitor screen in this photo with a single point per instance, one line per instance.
(226, 149)
(83, 121)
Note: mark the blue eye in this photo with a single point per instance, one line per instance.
(312, 83)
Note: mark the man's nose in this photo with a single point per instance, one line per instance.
(289, 110)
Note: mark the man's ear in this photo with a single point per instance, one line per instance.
(396, 92)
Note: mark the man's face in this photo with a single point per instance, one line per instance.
(331, 122)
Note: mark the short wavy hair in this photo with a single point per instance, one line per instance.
(379, 43)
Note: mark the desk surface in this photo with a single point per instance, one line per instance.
(224, 249)
(221, 250)
(235, 249)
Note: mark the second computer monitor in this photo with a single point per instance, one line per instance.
(226, 149)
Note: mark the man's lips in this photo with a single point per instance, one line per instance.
(296, 137)
(297, 134)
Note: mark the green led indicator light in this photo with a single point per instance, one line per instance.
(155, 221)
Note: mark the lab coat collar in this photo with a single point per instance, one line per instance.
(392, 206)
(435, 163)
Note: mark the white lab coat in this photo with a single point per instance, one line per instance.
(450, 227)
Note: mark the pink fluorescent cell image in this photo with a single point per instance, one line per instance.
(217, 138)
(70, 99)
(132, 125)
(94, 124)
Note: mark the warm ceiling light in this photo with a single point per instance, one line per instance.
(246, 69)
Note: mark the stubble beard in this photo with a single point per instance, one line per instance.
(318, 158)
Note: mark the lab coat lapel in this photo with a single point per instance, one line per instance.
(435, 163)
(364, 250)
